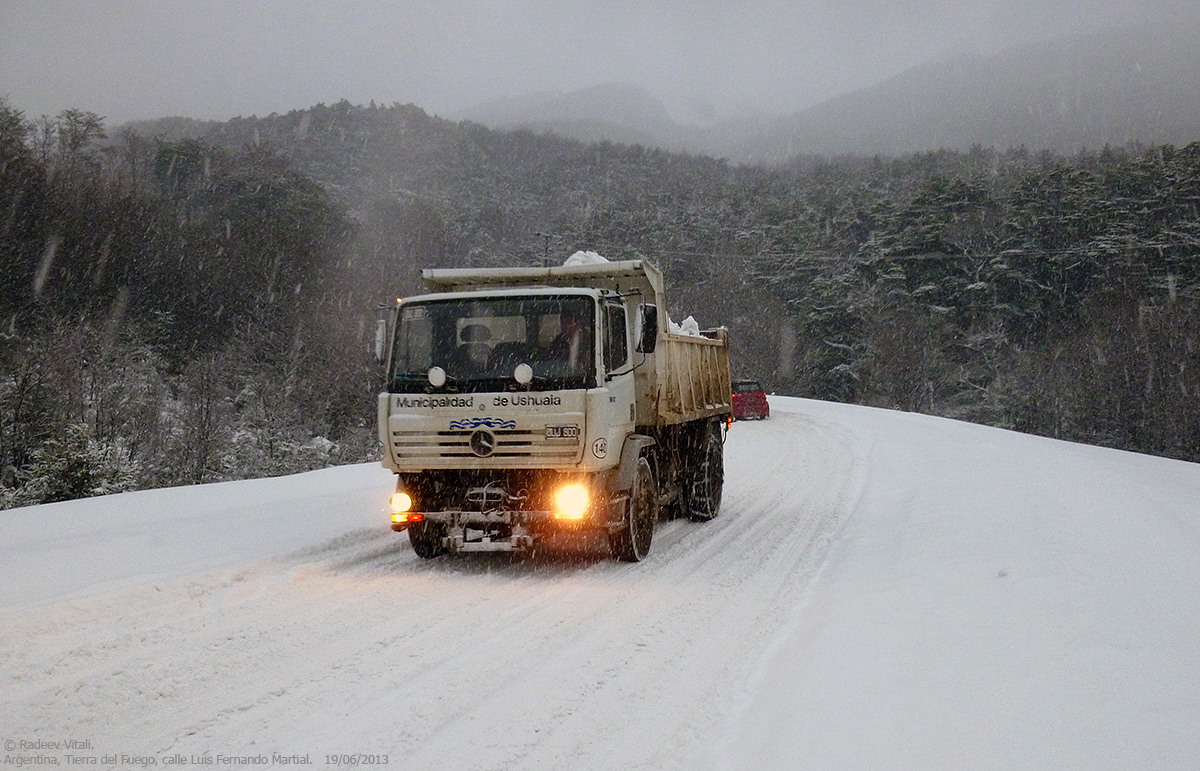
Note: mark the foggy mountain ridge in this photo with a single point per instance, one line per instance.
(616, 112)
(617, 104)
(1128, 86)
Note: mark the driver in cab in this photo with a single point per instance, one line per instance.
(570, 345)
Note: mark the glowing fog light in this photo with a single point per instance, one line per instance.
(571, 502)
(404, 517)
(401, 502)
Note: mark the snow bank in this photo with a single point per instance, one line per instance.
(58, 549)
(585, 258)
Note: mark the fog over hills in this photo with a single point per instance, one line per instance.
(1128, 86)
(1110, 89)
(621, 112)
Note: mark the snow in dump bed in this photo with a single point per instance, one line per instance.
(585, 258)
(689, 327)
(881, 590)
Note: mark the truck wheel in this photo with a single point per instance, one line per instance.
(632, 542)
(704, 497)
(426, 539)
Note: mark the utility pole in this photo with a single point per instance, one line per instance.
(545, 247)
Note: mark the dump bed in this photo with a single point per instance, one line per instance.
(693, 376)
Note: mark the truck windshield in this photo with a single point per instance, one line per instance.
(480, 342)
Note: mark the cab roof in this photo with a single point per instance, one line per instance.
(621, 276)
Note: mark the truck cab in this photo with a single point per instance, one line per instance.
(501, 357)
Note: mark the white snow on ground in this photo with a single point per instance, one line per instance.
(881, 590)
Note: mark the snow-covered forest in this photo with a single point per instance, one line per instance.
(186, 302)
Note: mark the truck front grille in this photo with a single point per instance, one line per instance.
(510, 443)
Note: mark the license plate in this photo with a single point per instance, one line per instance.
(562, 432)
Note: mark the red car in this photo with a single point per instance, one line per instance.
(749, 401)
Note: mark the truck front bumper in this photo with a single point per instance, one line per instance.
(515, 529)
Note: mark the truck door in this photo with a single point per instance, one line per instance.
(618, 370)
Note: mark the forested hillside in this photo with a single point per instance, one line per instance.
(190, 302)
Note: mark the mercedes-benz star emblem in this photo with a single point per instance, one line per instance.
(483, 443)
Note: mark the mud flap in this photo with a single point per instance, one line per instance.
(630, 452)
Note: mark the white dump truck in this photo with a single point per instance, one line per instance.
(522, 402)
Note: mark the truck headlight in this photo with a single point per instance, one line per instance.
(402, 513)
(571, 501)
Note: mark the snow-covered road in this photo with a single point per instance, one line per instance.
(863, 562)
(355, 645)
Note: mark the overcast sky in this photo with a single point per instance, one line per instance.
(217, 59)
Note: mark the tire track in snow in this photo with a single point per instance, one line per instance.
(640, 609)
(472, 661)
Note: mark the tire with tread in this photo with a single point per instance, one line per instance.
(632, 542)
(708, 481)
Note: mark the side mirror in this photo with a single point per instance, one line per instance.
(380, 340)
(648, 334)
